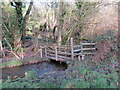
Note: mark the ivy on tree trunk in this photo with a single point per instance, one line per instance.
(21, 21)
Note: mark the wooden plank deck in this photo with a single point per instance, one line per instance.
(58, 59)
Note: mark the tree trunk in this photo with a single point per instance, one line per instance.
(1, 49)
(20, 19)
(25, 19)
(19, 15)
(61, 21)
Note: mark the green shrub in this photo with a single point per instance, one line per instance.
(100, 82)
(30, 74)
(48, 85)
(76, 83)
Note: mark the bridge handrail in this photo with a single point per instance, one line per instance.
(69, 50)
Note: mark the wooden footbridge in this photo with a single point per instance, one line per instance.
(67, 52)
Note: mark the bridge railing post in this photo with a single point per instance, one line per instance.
(56, 53)
(81, 47)
(45, 52)
(82, 51)
(72, 50)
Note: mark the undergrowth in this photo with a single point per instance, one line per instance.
(104, 76)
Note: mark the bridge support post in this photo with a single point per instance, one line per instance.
(56, 56)
(79, 57)
(83, 57)
(72, 51)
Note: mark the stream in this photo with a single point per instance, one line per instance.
(40, 69)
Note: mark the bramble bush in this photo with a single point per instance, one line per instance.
(107, 36)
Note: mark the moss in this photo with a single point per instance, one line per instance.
(14, 63)
(3, 65)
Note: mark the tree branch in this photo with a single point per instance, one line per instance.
(28, 11)
(11, 50)
(12, 4)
